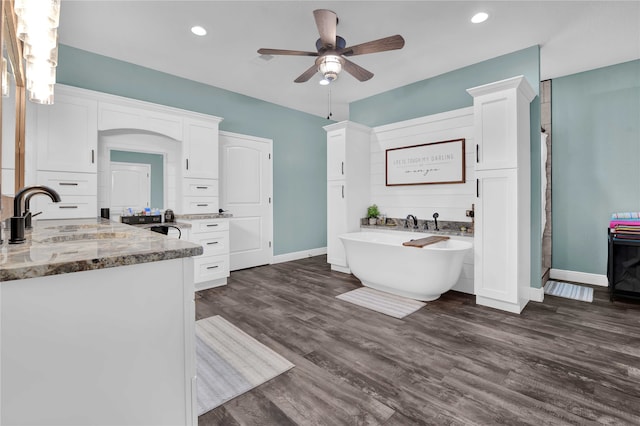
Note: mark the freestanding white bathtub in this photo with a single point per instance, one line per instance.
(380, 261)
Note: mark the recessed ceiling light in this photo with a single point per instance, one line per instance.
(198, 30)
(479, 17)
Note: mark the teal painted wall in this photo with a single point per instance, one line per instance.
(299, 141)
(449, 91)
(595, 161)
(156, 161)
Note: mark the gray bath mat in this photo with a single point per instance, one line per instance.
(569, 291)
(379, 301)
(230, 362)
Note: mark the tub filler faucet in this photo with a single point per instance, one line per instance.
(435, 220)
(413, 219)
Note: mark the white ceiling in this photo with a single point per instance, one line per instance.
(574, 36)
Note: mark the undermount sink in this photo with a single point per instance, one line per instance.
(84, 237)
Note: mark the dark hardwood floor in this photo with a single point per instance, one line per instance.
(450, 363)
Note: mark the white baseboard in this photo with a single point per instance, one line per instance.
(579, 277)
(536, 294)
(288, 257)
(498, 304)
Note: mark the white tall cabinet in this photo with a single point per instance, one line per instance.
(65, 137)
(348, 193)
(200, 166)
(502, 237)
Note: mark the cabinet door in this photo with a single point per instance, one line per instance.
(496, 235)
(200, 153)
(67, 135)
(336, 149)
(336, 222)
(496, 131)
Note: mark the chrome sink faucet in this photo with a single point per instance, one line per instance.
(19, 217)
(413, 219)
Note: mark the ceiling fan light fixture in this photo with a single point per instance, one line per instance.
(330, 66)
(324, 82)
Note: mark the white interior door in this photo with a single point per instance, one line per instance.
(245, 191)
(130, 186)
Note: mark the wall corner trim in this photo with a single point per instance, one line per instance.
(579, 277)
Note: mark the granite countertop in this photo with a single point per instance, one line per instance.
(177, 223)
(204, 216)
(446, 227)
(62, 246)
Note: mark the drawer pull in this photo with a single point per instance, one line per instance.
(68, 207)
(212, 243)
(212, 267)
(68, 184)
(212, 225)
(202, 187)
(202, 205)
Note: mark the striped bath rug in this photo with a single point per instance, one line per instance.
(569, 291)
(230, 362)
(379, 301)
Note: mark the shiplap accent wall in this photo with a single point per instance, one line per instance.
(449, 200)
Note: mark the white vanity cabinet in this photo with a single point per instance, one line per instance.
(502, 238)
(66, 133)
(63, 141)
(200, 149)
(211, 269)
(348, 174)
(199, 190)
(65, 137)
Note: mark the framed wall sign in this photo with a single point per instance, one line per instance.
(429, 163)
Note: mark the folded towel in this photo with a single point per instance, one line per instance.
(625, 215)
(615, 223)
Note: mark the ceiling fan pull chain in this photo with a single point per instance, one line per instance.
(330, 114)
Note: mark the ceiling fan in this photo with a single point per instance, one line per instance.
(331, 51)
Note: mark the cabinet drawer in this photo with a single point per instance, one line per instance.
(211, 225)
(71, 207)
(210, 268)
(213, 243)
(195, 205)
(200, 187)
(70, 183)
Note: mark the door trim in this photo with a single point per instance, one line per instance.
(270, 188)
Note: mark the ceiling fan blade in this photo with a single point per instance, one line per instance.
(326, 21)
(286, 52)
(305, 76)
(356, 70)
(388, 43)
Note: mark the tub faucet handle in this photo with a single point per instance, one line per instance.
(413, 219)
